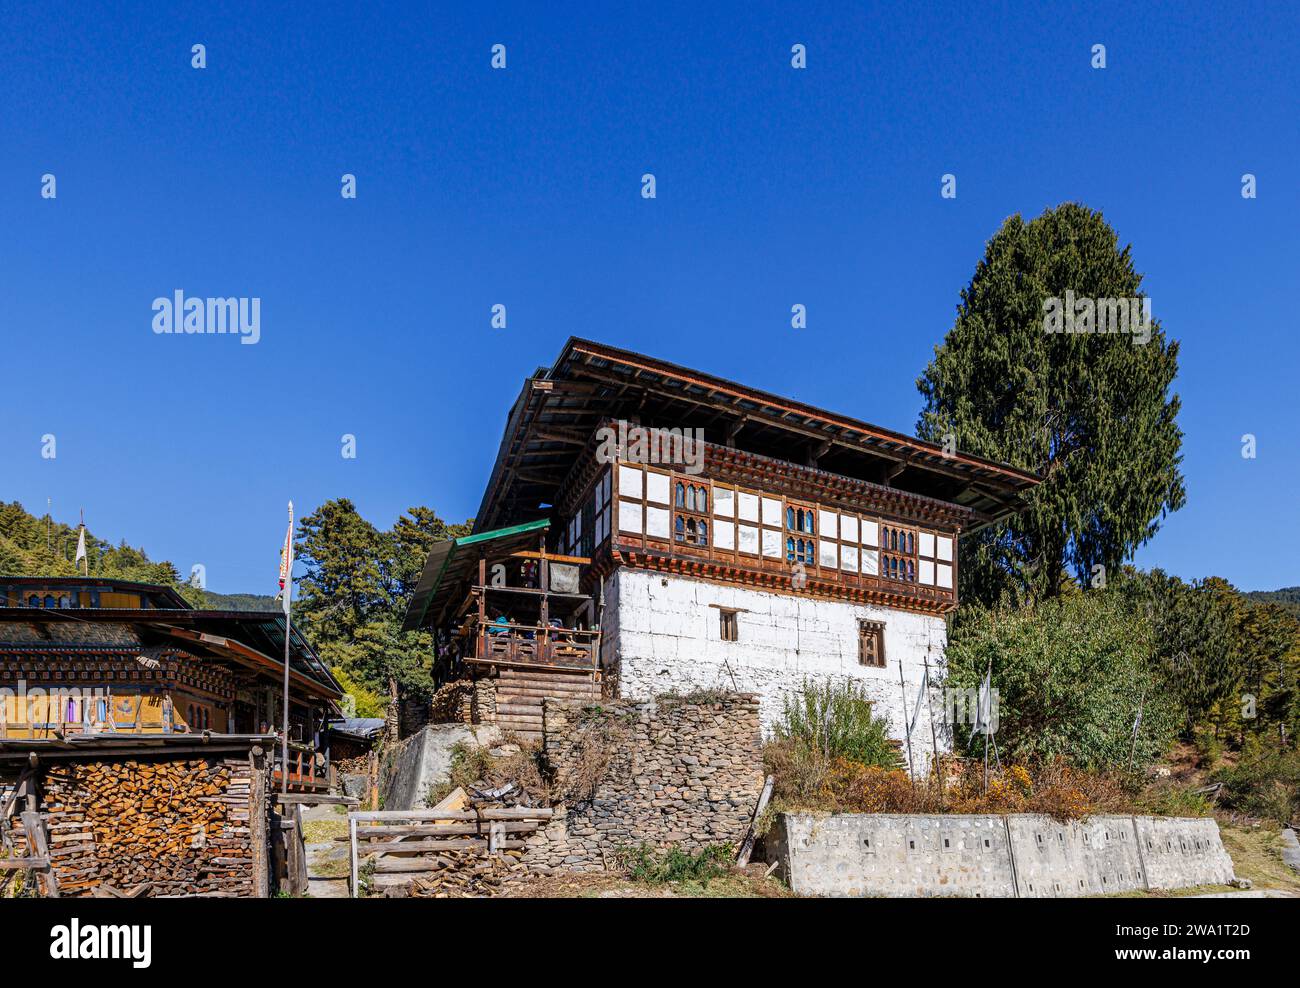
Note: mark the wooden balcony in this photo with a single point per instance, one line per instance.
(532, 646)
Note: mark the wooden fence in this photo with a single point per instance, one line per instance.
(414, 841)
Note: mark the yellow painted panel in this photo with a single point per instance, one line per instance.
(119, 600)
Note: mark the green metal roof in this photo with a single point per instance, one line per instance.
(449, 565)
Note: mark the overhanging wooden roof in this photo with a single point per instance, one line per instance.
(551, 423)
(450, 565)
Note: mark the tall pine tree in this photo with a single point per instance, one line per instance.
(1092, 413)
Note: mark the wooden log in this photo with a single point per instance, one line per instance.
(421, 847)
(490, 813)
(747, 845)
(379, 833)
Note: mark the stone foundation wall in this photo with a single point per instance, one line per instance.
(678, 773)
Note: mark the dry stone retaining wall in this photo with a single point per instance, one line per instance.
(679, 773)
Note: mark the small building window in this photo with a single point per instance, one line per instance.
(871, 643)
(728, 627)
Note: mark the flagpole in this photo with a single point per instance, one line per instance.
(288, 632)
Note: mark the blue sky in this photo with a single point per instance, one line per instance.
(522, 187)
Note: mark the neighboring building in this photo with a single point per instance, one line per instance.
(89, 661)
(790, 543)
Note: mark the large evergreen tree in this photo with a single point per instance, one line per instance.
(357, 584)
(1092, 413)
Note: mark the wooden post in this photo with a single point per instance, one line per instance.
(39, 847)
(257, 823)
(372, 764)
(352, 834)
(544, 584)
(297, 856)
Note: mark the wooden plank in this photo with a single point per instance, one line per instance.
(518, 711)
(399, 866)
(257, 830)
(497, 813)
(314, 799)
(23, 864)
(372, 834)
(747, 846)
(434, 846)
(34, 828)
(352, 833)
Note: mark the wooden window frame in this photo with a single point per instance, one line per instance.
(728, 624)
(904, 555)
(871, 631)
(689, 511)
(809, 556)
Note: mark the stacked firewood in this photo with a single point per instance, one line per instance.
(466, 875)
(180, 827)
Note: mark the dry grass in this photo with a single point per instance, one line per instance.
(601, 736)
(807, 781)
(1257, 854)
(736, 884)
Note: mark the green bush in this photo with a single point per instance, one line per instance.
(833, 720)
(1171, 799)
(656, 867)
(1264, 784)
(1071, 674)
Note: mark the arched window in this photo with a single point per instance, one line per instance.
(911, 543)
(681, 495)
(911, 571)
(690, 528)
(704, 499)
(681, 526)
(789, 519)
(33, 601)
(50, 602)
(704, 533)
(893, 568)
(789, 546)
(65, 602)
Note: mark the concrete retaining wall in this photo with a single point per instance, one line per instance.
(423, 759)
(1023, 855)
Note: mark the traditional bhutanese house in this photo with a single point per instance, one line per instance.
(137, 747)
(82, 656)
(707, 534)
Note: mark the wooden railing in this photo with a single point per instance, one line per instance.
(531, 645)
(308, 768)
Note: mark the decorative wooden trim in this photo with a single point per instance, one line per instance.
(773, 582)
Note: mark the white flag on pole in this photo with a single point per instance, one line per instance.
(286, 564)
(920, 698)
(984, 706)
(81, 549)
